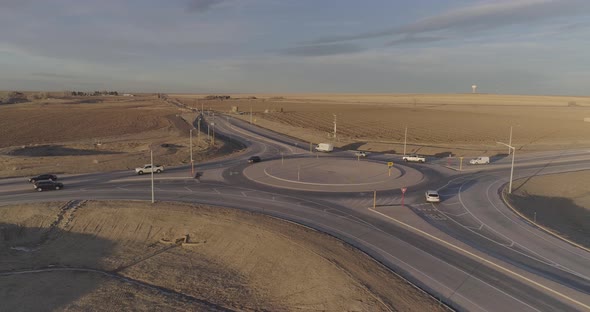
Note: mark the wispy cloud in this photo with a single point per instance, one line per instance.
(54, 75)
(203, 5)
(415, 39)
(322, 49)
(477, 17)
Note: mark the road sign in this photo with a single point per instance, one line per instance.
(404, 189)
(390, 164)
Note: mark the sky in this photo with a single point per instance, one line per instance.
(297, 46)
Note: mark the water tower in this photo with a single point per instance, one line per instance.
(473, 89)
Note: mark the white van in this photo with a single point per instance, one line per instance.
(482, 160)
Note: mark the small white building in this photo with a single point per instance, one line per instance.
(127, 94)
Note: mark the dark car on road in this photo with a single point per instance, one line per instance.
(41, 177)
(48, 185)
(254, 159)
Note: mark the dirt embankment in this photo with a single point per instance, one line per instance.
(178, 256)
(560, 202)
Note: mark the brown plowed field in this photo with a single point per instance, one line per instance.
(88, 134)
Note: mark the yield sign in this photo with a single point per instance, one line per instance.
(404, 189)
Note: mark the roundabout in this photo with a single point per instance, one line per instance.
(329, 174)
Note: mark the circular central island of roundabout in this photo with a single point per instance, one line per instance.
(327, 174)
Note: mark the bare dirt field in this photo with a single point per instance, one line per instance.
(107, 256)
(88, 134)
(438, 124)
(560, 202)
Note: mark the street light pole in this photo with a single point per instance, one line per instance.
(511, 167)
(334, 127)
(152, 166)
(199, 130)
(510, 140)
(405, 140)
(191, 152)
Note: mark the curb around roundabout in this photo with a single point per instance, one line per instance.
(331, 174)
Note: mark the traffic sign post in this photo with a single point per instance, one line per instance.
(404, 189)
(460, 163)
(389, 165)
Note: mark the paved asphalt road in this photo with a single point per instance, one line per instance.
(470, 251)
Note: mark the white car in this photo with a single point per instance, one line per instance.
(148, 169)
(432, 196)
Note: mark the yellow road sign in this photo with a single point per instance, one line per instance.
(390, 164)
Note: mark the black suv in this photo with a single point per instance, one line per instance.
(254, 159)
(40, 177)
(48, 185)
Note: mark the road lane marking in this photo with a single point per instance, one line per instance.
(510, 272)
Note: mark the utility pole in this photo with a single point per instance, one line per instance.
(152, 163)
(250, 113)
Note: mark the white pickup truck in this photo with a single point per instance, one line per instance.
(414, 158)
(148, 169)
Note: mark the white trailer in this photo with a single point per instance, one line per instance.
(325, 147)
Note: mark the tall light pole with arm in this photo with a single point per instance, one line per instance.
(510, 140)
(191, 152)
(510, 147)
(405, 140)
(334, 127)
(152, 164)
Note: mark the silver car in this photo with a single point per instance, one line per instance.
(432, 196)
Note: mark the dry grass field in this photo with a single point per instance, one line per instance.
(171, 257)
(464, 124)
(88, 134)
(558, 201)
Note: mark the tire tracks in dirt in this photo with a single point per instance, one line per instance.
(162, 290)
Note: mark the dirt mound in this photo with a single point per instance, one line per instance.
(118, 255)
